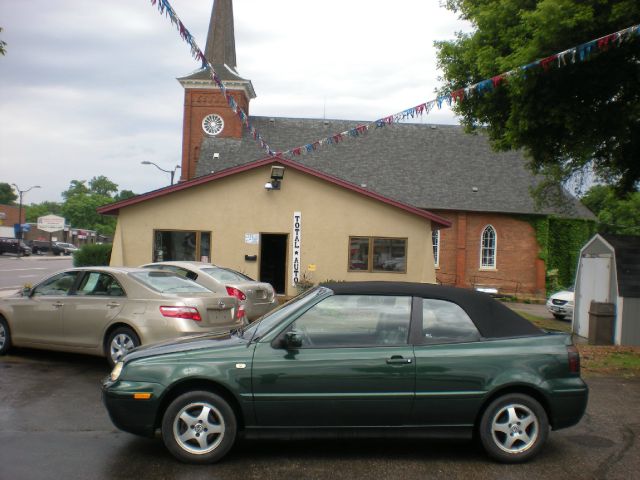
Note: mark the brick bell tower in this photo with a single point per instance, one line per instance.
(206, 111)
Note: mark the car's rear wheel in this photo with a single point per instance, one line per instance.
(513, 428)
(558, 316)
(5, 336)
(199, 427)
(120, 342)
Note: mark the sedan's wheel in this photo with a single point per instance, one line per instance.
(120, 342)
(5, 337)
(514, 428)
(199, 427)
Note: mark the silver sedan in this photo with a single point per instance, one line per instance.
(108, 311)
(258, 297)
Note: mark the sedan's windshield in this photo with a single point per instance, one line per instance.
(263, 325)
(224, 275)
(168, 282)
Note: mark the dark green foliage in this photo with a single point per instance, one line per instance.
(560, 241)
(7, 195)
(567, 119)
(93, 255)
(36, 210)
(615, 215)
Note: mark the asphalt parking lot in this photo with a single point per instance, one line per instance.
(53, 425)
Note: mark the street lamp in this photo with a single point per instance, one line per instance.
(171, 172)
(20, 193)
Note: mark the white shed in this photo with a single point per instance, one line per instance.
(609, 271)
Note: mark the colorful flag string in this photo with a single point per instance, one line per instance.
(580, 53)
(165, 8)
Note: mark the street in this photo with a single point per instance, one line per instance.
(16, 271)
(53, 425)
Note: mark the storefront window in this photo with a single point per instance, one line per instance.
(181, 246)
(387, 254)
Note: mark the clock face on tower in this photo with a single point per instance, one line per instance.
(212, 124)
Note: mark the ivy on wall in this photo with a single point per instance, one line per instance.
(560, 241)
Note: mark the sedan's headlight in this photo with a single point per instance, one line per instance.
(115, 373)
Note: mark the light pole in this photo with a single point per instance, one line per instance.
(171, 172)
(20, 193)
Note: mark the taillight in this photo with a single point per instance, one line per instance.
(234, 292)
(240, 312)
(189, 313)
(574, 359)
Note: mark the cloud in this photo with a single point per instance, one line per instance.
(89, 88)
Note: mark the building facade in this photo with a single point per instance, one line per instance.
(483, 195)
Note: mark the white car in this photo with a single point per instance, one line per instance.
(560, 304)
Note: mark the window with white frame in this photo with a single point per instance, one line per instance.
(435, 237)
(488, 248)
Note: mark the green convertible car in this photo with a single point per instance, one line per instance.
(371, 359)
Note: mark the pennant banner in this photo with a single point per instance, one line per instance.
(165, 8)
(580, 53)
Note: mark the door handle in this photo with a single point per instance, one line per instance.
(398, 360)
(113, 305)
(58, 304)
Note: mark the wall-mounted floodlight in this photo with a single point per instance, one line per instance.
(277, 174)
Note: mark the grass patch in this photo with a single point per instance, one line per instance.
(610, 360)
(546, 323)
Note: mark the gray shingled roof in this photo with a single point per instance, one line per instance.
(428, 166)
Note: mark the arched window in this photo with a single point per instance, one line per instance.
(435, 237)
(488, 248)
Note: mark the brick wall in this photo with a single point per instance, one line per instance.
(198, 103)
(11, 215)
(518, 268)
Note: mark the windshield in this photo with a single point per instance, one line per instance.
(168, 282)
(264, 324)
(224, 275)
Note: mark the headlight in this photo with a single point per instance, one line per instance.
(115, 373)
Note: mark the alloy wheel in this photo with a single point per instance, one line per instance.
(121, 344)
(514, 428)
(199, 428)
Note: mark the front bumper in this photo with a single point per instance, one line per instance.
(128, 413)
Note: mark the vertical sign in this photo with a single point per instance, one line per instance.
(296, 244)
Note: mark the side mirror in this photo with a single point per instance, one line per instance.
(292, 340)
(26, 291)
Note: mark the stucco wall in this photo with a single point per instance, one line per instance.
(233, 206)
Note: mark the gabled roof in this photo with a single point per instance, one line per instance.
(627, 253)
(114, 208)
(435, 167)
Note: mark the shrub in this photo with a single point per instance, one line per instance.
(93, 255)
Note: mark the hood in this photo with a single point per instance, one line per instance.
(563, 295)
(185, 344)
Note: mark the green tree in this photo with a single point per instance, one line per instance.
(80, 211)
(36, 210)
(3, 45)
(77, 187)
(103, 186)
(123, 195)
(615, 215)
(584, 115)
(7, 195)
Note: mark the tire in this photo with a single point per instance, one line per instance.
(513, 428)
(120, 342)
(5, 336)
(199, 427)
(558, 316)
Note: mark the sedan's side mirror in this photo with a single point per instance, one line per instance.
(291, 340)
(26, 291)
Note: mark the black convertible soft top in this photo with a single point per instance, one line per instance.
(492, 318)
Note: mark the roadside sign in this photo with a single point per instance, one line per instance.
(51, 223)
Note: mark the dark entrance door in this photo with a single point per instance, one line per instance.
(273, 260)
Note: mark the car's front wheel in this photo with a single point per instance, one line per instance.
(199, 427)
(558, 316)
(513, 428)
(120, 342)
(5, 336)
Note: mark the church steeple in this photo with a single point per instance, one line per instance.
(207, 115)
(221, 42)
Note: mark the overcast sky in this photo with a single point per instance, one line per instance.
(89, 88)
